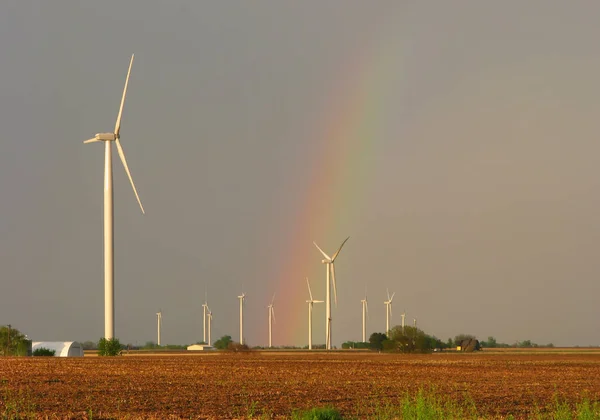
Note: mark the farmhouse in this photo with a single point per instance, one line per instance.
(62, 348)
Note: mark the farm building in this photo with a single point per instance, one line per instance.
(200, 347)
(62, 348)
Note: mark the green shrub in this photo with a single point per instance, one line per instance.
(326, 413)
(43, 351)
(111, 347)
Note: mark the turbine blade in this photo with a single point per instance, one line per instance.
(388, 293)
(392, 298)
(122, 156)
(334, 286)
(273, 300)
(322, 252)
(273, 312)
(94, 140)
(309, 292)
(318, 301)
(339, 249)
(390, 310)
(118, 123)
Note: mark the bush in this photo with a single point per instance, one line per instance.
(111, 347)
(43, 351)
(233, 346)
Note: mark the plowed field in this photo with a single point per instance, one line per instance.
(226, 385)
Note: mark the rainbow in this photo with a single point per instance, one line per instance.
(330, 205)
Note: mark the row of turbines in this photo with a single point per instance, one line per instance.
(109, 309)
(207, 317)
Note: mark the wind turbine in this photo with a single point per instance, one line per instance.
(108, 139)
(271, 319)
(365, 312)
(209, 316)
(329, 261)
(415, 323)
(310, 308)
(388, 311)
(158, 322)
(242, 298)
(403, 316)
(204, 309)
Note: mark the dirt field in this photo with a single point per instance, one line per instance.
(274, 384)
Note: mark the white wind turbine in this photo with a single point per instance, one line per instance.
(365, 312)
(209, 320)
(271, 320)
(415, 323)
(403, 316)
(108, 139)
(204, 311)
(388, 311)
(329, 261)
(158, 322)
(310, 308)
(242, 298)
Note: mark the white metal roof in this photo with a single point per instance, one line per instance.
(62, 348)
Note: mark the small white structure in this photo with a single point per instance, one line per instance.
(61, 348)
(200, 347)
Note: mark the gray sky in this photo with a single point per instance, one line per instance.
(455, 142)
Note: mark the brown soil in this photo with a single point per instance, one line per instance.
(275, 384)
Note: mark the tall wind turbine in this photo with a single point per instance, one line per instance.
(158, 322)
(209, 316)
(329, 261)
(271, 320)
(204, 310)
(365, 312)
(310, 308)
(108, 139)
(388, 311)
(415, 323)
(242, 298)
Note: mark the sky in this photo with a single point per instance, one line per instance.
(455, 143)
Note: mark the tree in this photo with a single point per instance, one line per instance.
(89, 345)
(110, 347)
(13, 342)
(223, 342)
(462, 337)
(413, 340)
(376, 341)
(491, 342)
(43, 351)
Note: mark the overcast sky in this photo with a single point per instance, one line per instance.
(456, 143)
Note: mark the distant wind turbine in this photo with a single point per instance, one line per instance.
(158, 322)
(209, 320)
(310, 308)
(271, 320)
(365, 312)
(108, 139)
(415, 322)
(403, 316)
(242, 298)
(329, 261)
(388, 311)
(204, 311)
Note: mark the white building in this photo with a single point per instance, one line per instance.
(200, 347)
(61, 348)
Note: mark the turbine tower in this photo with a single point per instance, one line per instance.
(209, 321)
(403, 316)
(365, 312)
(158, 322)
(388, 311)
(204, 311)
(310, 308)
(108, 139)
(242, 298)
(415, 323)
(329, 261)
(271, 320)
